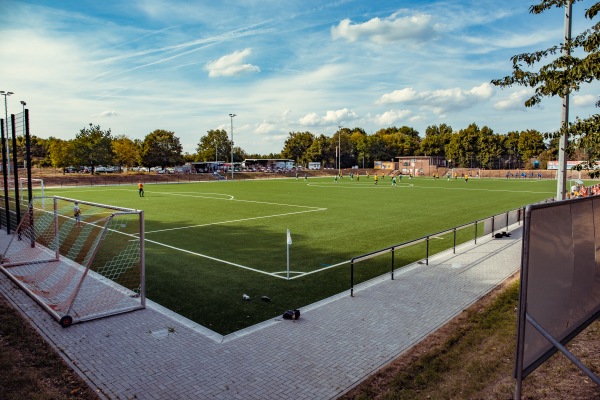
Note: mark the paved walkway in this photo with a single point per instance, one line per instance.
(338, 342)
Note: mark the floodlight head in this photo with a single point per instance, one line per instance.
(232, 115)
(22, 102)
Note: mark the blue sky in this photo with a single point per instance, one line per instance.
(282, 66)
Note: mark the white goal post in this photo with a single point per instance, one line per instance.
(37, 186)
(79, 260)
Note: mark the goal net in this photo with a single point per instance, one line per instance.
(79, 260)
(37, 188)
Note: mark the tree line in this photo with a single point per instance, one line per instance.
(471, 147)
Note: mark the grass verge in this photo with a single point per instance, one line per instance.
(472, 357)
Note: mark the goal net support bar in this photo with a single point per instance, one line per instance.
(79, 260)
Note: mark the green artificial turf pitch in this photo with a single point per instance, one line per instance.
(208, 243)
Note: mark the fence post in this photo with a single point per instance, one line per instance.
(393, 263)
(476, 221)
(454, 242)
(493, 226)
(427, 250)
(352, 278)
(507, 221)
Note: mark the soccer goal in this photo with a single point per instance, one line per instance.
(37, 186)
(79, 260)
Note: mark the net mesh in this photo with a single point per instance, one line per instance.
(78, 259)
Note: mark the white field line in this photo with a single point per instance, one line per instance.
(236, 220)
(302, 274)
(232, 198)
(214, 259)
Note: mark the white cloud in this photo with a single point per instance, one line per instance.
(330, 117)
(440, 100)
(515, 101)
(585, 100)
(416, 27)
(231, 65)
(391, 117)
(108, 114)
(265, 127)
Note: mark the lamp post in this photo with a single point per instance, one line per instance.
(340, 151)
(231, 117)
(6, 94)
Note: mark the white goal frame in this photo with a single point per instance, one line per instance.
(23, 188)
(78, 265)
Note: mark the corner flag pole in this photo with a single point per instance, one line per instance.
(289, 242)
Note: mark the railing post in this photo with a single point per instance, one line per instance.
(507, 221)
(352, 278)
(393, 263)
(476, 222)
(493, 226)
(427, 250)
(454, 242)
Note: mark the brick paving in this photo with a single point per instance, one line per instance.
(337, 343)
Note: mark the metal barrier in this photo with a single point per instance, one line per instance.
(490, 226)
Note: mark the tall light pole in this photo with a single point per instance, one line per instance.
(23, 104)
(231, 117)
(340, 151)
(6, 94)
(561, 181)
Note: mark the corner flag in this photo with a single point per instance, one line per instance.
(289, 238)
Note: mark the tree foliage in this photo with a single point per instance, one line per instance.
(126, 151)
(92, 147)
(569, 66)
(161, 148)
(214, 145)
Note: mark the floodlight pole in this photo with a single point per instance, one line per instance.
(340, 151)
(231, 117)
(6, 94)
(561, 184)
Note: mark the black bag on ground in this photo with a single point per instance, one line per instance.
(291, 314)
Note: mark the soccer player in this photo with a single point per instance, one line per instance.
(394, 181)
(141, 189)
(77, 214)
(376, 178)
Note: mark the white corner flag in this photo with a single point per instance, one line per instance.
(289, 242)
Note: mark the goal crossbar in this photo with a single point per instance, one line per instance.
(80, 260)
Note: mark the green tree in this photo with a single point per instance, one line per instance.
(92, 147)
(436, 139)
(489, 148)
(572, 64)
(215, 144)
(360, 145)
(126, 152)
(161, 148)
(511, 145)
(531, 144)
(320, 151)
(463, 147)
(296, 146)
(38, 149)
(60, 152)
